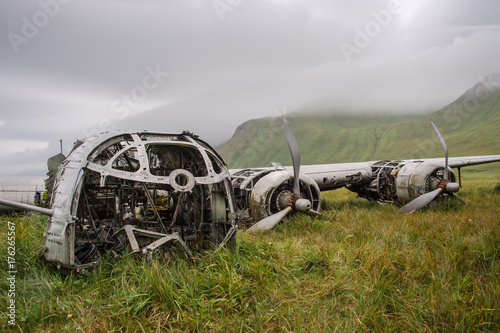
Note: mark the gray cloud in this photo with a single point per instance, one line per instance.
(70, 67)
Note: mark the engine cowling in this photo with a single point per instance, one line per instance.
(401, 181)
(271, 191)
(415, 179)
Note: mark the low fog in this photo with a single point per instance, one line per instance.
(73, 68)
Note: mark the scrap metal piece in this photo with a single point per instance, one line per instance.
(161, 239)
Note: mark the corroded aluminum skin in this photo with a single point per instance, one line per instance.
(333, 176)
(413, 177)
(330, 176)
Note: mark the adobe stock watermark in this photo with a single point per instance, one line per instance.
(471, 101)
(460, 111)
(223, 6)
(31, 26)
(371, 30)
(123, 106)
(11, 273)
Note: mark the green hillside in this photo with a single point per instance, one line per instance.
(470, 126)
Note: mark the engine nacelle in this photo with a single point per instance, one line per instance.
(417, 178)
(263, 192)
(401, 181)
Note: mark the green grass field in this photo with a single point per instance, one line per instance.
(360, 268)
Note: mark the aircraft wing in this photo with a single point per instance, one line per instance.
(337, 175)
(327, 176)
(458, 162)
(332, 176)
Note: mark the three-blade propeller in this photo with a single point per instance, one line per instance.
(445, 186)
(297, 203)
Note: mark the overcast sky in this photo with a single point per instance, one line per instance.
(69, 68)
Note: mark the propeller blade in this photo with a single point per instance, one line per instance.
(294, 150)
(445, 148)
(419, 202)
(270, 221)
(312, 212)
(459, 198)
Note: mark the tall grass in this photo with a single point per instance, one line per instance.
(360, 268)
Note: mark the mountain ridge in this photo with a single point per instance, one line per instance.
(470, 126)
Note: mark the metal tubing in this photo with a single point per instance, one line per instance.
(23, 206)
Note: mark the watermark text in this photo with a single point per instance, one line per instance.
(11, 272)
(123, 106)
(223, 6)
(372, 29)
(30, 27)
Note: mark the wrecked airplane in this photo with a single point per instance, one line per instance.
(152, 191)
(157, 192)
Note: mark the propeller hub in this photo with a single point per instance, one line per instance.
(449, 187)
(302, 205)
(452, 187)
